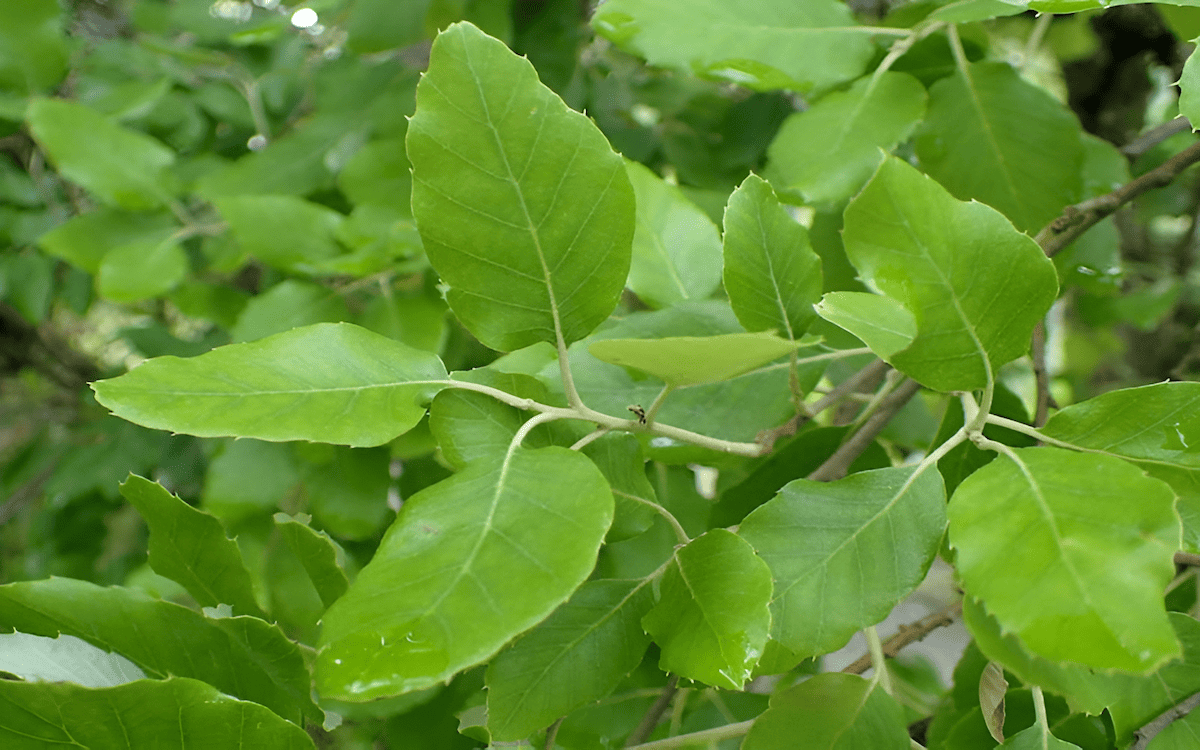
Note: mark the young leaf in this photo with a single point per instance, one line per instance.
(190, 547)
(1087, 585)
(832, 550)
(578, 655)
(676, 248)
(772, 275)
(321, 557)
(119, 166)
(469, 563)
(524, 209)
(992, 136)
(242, 656)
(691, 360)
(168, 714)
(331, 382)
(975, 285)
(831, 711)
(827, 152)
(711, 620)
(769, 44)
(881, 322)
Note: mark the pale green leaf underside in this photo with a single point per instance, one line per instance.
(1189, 89)
(330, 382)
(881, 322)
(690, 360)
(37, 658)
(844, 553)
(827, 152)
(772, 275)
(578, 655)
(1088, 581)
(242, 656)
(190, 547)
(711, 620)
(994, 137)
(975, 286)
(676, 247)
(469, 563)
(764, 45)
(320, 556)
(523, 208)
(168, 714)
(834, 711)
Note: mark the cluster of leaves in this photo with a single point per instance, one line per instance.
(484, 316)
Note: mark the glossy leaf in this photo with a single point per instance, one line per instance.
(173, 713)
(190, 547)
(321, 557)
(469, 563)
(772, 275)
(881, 322)
(1088, 584)
(676, 247)
(524, 210)
(836, 555)
(832, 711)
(119, 166)
(281, 230)
(765, 45)
(994, 137)
(242, 656)
(333, 383)
(1155, 426)
(692, 360)
(827, 152)
(711, 620)
(578, 655)
(36, 658)
(975, 285)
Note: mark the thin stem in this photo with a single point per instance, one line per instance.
(1145, 734)
(836, 466)
(253, 96)
(591, 437)
(658, 402)
(552, 733)
(960, 56)
(705, 738)
(652, 717)
(891, 380)
(1040, 27)
(680, 533)
(901, 46)
(909, 634)
(1039, 707)
(875, 646)
(526, 428)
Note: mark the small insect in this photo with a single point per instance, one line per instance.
(638, 412)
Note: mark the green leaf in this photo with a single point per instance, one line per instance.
(523, 208)
(772, 275)
(247, 478)
(33, 48)
(827, 152)
(333, 383)
(190, 547)
(1035, 738)
(881, 322)
(711, 619)
(348, 489)
(469, 563)
(36, 658)
(173, 713)
(770, 44)
(281, 230)
(287, 305)
(834, 711)
(975, 285)
(620, 459)
(142, 269)
(990, 135)
(834, 551)
(578, 655)
(676, 248)
(692, 360)
(321, 557)
(242, 656)
(1155, 426)
(84, 240)
(121, 167)
(1189, 89)
(1087, 586)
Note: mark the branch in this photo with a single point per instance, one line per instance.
(871, 372)
(652, 717)
(836, 466)
(1188, 559)
(909, 634)
(704, 738)
(1151, 729)
(1155, 136)
(1077, 219)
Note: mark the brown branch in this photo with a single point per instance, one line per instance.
(552, 733)
(836, 466)
(1150, 730)
(652, 717)
(872, 372)
(1077, 219)
(909, 634)
(1155, 136)
(1040, 376)
(1187, 559)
